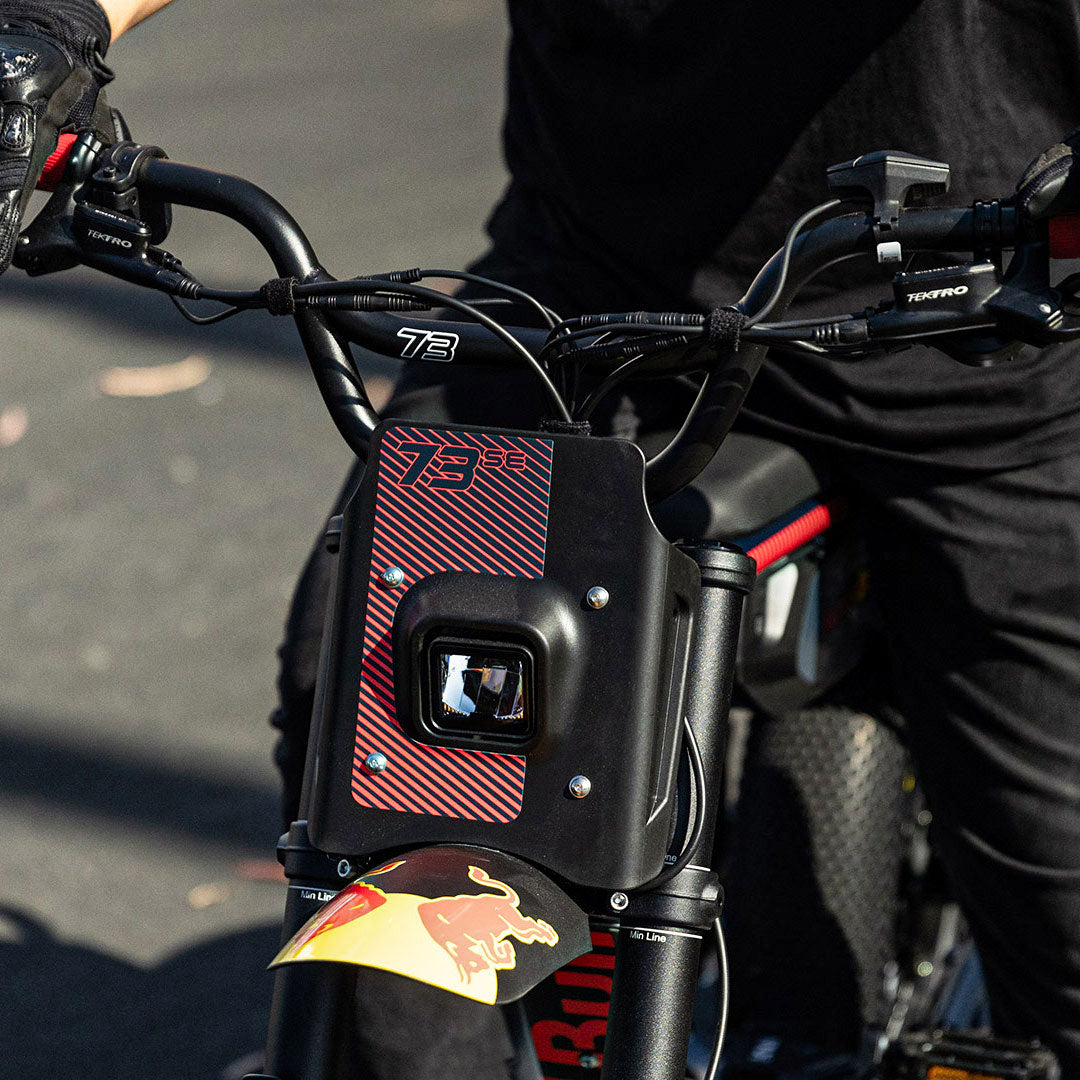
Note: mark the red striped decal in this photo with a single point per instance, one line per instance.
(446, 500)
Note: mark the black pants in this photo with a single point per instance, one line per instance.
(978, 576)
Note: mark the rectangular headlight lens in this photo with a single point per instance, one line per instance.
(482, 693)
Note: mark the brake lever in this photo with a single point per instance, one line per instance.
(974, 314)
(119, 245)
(1027, 305)
(47, 244)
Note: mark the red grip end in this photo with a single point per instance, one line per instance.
(50, 176)
(1065, 237)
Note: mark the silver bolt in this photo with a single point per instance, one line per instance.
(619, 901)
(588, 1061)
(375, 762)
(1045, 309)
(580, 786)
(597, 597)
(925, 969)
(24, 240)
(344, 868)
(393, 576)
(924, 818)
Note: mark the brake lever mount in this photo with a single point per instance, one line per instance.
(97, 216)
(114, 186)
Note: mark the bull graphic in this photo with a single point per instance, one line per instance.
(472, 929)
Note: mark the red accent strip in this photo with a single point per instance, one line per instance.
(794, 535)
(51, 175)
(1065, 237)
(605, 961)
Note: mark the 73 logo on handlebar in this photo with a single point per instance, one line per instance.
(453, 468)
(428, 344)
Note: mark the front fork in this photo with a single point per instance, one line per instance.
(658, 943)
(658, 932)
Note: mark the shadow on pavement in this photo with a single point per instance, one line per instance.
(70, 1011)
(177, 798)
(100, 305)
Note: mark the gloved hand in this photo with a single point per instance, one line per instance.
(1051, 184)
(51, 70)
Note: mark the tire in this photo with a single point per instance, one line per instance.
(812, 882)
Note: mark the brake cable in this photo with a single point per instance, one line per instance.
(785, 260)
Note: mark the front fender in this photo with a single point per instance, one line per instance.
(471, 920)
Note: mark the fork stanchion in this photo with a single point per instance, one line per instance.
(660, 932)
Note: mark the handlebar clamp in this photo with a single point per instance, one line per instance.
(114, 186)
(892, 179)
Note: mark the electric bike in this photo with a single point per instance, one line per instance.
(517, 758)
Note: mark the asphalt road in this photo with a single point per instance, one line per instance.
(159, 487)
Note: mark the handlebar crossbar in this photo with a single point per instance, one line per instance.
(327, 332)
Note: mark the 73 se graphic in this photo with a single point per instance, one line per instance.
(453, 468)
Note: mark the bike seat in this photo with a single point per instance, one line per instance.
(751, 482)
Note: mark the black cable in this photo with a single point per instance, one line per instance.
(243, 300)
(550, 317)
(713, 1067)
(614, 328)
(650, 356)
(786, 344)
(606, 385)
(819, 320)
(564, 374)
(806, 347)
(204, 320)
(669, 320)
(231, 296)
(785, 260)
(331, 288)
(698, 769)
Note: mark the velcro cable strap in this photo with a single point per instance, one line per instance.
(280, 298)
(562, 427)
(723, 327)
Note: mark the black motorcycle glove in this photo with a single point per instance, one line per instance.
(51, 70)
(1051, 184)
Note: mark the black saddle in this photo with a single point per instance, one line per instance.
(751, 482)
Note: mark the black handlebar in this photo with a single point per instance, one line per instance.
(724, 390)
(327, 331)
(293, 256)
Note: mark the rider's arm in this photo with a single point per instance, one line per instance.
(52, 66)
(124, 14)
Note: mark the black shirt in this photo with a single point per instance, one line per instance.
(659, 149)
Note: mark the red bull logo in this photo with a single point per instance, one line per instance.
(473, 928)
